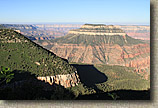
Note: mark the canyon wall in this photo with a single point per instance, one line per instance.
(55, 30)
(104, 53)
(95, 33)
(102, 44)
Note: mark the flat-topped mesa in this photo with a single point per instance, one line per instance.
(98, 29)
(97, 26)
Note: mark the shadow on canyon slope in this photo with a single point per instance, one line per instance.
(90, 76)
(25, 86)
(120, 94)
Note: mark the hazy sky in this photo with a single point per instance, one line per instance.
(87, 11)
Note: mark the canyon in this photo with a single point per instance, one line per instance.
(106, 59)
(93, 43)
(52, 31)
(111, 46)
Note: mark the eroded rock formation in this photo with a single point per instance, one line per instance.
(102, 44)
(68, 80)
(89, 29)
(132, 56)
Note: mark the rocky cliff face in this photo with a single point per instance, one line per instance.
(68, 80)
(101, 44)
(132, 56)
(90, 29)
(137, 56)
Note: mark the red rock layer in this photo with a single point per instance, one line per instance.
(137, 56)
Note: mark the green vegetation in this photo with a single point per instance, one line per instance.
(94, 40)
(20, 53)
(113, 95)
(81, 89)
(6, 75)
(119, 81)
(118, 78)
(24, 85)
(29, 60)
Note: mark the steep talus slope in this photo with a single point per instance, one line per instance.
(20, 53)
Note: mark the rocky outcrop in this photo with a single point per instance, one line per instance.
(68, 80)
(95, 33)
(99, 29)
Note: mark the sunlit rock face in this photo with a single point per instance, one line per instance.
(68, 80)
(99, 29)
(102, 44)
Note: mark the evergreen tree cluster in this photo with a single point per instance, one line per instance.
(20, 53)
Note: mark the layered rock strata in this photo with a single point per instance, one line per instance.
(131, 56)
(99, 29)
(102, 44)
(92, 44)
(94, 33)
(68, 80)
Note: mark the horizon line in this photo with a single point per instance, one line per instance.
(106, 23)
